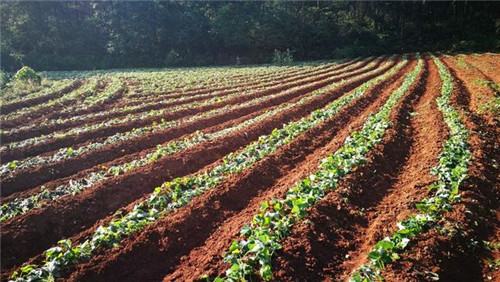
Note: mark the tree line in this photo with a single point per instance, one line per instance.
(70, 35)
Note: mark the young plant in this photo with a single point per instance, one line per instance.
(451, 172)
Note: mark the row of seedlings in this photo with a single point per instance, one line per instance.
(69, 152)
(451, 172)
(259, 240)
(73, 187)
(174, 194)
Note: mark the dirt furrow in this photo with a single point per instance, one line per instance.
(482, 64)
(29, 234)
(54, 144)
(14, 106)
(24, 180)
(491, 59)
(475, 80)
(251, 80)
(29, 115)
(65, 114)
(236, 200)
(370, 200)
(241, 79)
(52, 185)
(269, 76)
(38, 131)
(460, 254)
(55, 113)
(33, 132)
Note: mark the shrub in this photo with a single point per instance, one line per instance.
(27, 75)
(282, 58)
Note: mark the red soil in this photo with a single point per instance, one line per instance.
(33, 132)
(14, 106)
(54, 144)
(488, 65)
(74, 213)
(26, 179)
(462, 256)
(225, 208)
(339, 231)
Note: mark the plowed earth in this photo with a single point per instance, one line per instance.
(337, 233)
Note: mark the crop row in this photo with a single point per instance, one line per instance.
(22, 205)
(48, 91)
(198, 80)
(127, 118)
(229, 87)
(11, 95)
(176, 193)
(113, 89)
(111, 92)
(147, 85)
(193, 81)
(144, 104)
(66, 153)
(451, 171)
(87, 90)
(276, 217)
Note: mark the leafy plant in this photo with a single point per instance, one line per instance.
(282, 57)
(451, 172)
(121, 136)
(23, 205)
(180, 191)
(26, 75)
(275, 219)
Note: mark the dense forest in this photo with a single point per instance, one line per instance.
(70, 35)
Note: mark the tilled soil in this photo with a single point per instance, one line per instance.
(333, 239)
(33, 132)
(313, 82)
(225, 209)
(29, 178)
(70, 215)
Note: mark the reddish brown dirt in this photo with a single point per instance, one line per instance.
(32, 115)
(228, 206)
(182, 91)
(249, 81)
(53, 184)
(363, 207)
(246, 83)
(33, 132)
(112, 102)
(190, 241)
(178, 93)
(27, 179)
(489, 59)
(462, 257)
(483, 94)
(487, 65)
(71, 215)
(54, 144)
(205, 89)
(227, 90)
(14, 106)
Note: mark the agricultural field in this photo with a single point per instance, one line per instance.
(365, 169)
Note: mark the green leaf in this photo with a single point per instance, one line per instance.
(266, 273)
(246, 231)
